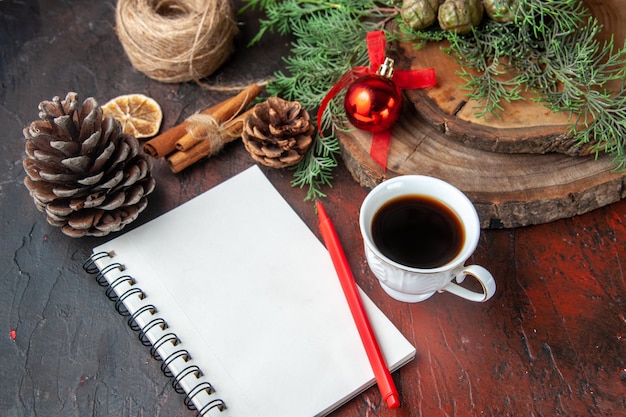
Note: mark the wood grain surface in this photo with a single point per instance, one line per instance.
(508, 190)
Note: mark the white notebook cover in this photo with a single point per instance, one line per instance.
(253, 297)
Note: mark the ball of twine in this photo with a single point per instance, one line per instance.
(176, 40)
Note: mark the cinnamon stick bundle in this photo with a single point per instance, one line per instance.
(165, 143)
(208, 145)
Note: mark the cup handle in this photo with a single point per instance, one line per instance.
(482, 275)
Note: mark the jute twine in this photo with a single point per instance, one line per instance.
(205, 127)
(176, 40)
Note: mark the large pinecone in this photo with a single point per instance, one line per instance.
(277, 133)
(86, 175)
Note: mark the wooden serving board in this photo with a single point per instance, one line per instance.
(508, 190)
(524, 126)
(517, 170)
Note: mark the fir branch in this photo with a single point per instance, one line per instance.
(329, 41)
(316, 169)
(539, 18)
(551, 48)
(492, 90)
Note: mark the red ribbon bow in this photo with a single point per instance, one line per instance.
(404, 79)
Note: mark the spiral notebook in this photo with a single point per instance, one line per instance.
(239, 301)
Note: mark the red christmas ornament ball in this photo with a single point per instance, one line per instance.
(373, 103)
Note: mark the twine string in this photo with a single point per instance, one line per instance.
(176, 40)
(206, 127)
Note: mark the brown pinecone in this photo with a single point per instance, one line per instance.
(278, 133)
(86, 175)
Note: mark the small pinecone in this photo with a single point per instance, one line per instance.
(86, 175)
(278, 133)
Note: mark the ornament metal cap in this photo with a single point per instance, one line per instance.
(386, 68)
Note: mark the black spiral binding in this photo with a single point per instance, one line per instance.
(168, 337)
(155, 322)
(91, 267)
(192, 369)
(132, 319)
(110, 291)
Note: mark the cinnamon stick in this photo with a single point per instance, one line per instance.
(165, 143)
(232, 129)
(186, 142)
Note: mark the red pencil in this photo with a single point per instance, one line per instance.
(381, 372)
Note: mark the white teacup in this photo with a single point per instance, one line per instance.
(410, 278)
